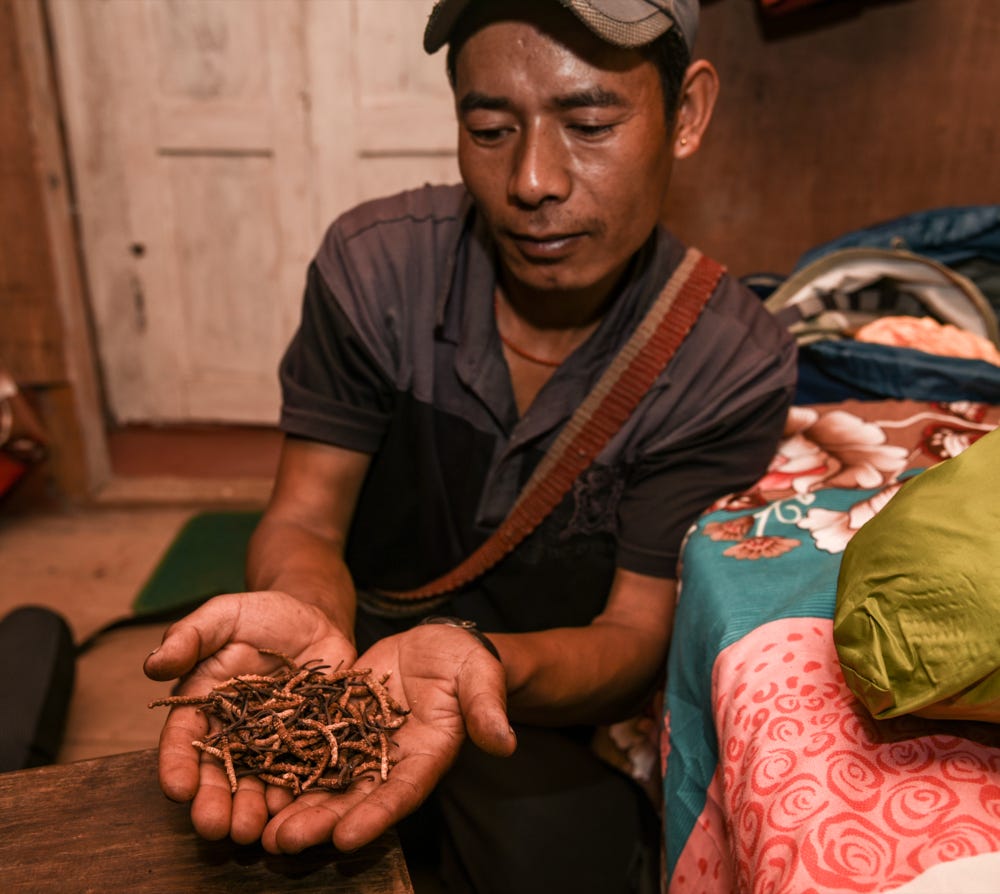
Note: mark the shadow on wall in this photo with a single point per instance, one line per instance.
(781, 18)
(835, 116)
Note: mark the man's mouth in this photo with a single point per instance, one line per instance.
(543, 246)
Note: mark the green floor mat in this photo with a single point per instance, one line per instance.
(206, 558)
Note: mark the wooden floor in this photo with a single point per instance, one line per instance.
(88, 565)
(89, 562)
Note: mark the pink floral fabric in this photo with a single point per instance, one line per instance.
(818, 798)
(838, 447)
(810, 795)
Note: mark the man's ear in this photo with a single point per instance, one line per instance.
(694, 110)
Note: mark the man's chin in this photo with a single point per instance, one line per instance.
(555, 280)
(556, 275)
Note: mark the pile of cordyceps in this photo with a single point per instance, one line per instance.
(300, 728)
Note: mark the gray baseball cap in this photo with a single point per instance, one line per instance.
(624, 23)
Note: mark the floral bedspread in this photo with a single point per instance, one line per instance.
(774, 778)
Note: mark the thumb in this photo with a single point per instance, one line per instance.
(482, 697)
(176, 655)
(196, 636)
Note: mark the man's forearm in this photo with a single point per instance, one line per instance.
(288, 557)
(595, 674)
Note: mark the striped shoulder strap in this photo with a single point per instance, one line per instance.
(601, 414)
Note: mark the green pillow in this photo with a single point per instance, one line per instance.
(917, 623)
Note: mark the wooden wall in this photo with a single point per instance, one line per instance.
(830, 118)
(838, 116)
(30, 331)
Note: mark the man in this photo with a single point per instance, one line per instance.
(447, 336)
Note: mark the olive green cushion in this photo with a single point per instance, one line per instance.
(917, 622)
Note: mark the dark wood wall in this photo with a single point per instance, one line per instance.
(30, 330)
(838, 116)
(44, 333)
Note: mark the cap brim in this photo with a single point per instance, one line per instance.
(442, 22)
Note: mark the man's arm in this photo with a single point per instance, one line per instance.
(594, 674)
(554, 677)
(298, 546)
(453, 685)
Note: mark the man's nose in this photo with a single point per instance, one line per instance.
(540, 172)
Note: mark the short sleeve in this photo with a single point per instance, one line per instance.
(668, 490)
(333, 389)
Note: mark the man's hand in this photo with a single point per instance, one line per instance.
(214, 643)
(453, 687)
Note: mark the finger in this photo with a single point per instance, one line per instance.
(309, 820)
(278, 798)
(250, 813)
(194, 637)
(179, 761)
(482, 698)
(212, 807)
(408, 785)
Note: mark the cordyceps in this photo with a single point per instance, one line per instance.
(301, 728)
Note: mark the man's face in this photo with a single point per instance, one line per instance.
(563, 145)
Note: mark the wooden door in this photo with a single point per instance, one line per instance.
(211, 143)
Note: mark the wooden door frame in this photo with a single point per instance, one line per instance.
(67, 387)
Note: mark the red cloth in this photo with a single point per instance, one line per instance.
(10, 472)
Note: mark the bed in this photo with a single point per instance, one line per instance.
(774, 777)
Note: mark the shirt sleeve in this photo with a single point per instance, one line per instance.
(379, 268)
(667, 492)
(333, 388)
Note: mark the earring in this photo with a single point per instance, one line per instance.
(684, 141)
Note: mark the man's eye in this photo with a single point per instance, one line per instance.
(488, 134)
(592, 130)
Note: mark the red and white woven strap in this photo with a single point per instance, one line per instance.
(595, 421)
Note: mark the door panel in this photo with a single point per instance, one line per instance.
(212, 141)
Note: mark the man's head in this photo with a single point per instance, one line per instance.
(663, 31)
(566, 139)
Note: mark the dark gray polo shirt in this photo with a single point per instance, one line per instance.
(398, 355)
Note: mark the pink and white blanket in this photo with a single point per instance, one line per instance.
(775, 779)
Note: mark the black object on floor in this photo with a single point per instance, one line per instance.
(38, 666)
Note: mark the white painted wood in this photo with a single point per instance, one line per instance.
(394, 127)
(404, 97)
(212, 141)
